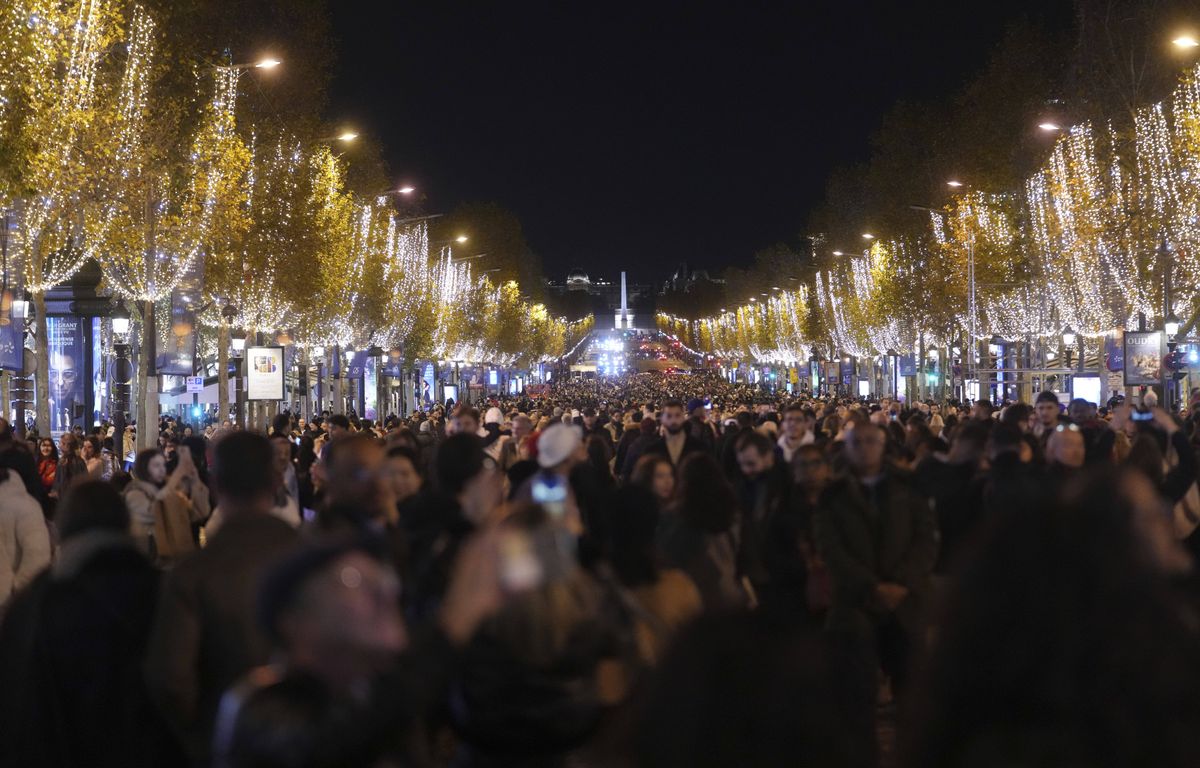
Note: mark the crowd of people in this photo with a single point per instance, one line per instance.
(648, 570)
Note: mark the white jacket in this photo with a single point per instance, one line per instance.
(24, 538)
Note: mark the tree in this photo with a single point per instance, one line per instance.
(46, 114)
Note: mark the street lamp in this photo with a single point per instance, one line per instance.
(122, 374)
(1185, 42)
(20, 307)
(868, 236)
(1068, 337)
(1171, 325)
(953, 183)
(1049, 127)
(461, 239)
(120, 319)
(239, 341)
(267, 63)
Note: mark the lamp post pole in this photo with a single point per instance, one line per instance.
(1167, 378)
(122, 374)
(21, 386)
(239, 349)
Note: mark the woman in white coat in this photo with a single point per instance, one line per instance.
(24, 538)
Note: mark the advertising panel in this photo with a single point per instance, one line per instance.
(1114, 352)
(178, 358)
(66, 370)
(264, 373)
(10, 344)
(1143, 358)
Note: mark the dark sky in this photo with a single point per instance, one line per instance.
(638, 135)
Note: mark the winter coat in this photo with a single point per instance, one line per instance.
(71, 650)
(205, 633)
(24, 538)
(870, 536)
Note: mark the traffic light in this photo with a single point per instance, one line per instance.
(1174, 361)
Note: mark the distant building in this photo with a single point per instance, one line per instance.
(685, 281)
(580, 294)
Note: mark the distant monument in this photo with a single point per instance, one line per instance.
(624, 319)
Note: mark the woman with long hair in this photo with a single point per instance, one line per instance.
(71, 466)
(47, 465)
(656, 475)
(699, 534)
(90, 453)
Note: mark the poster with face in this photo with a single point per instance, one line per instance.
(264, 373)
(65, 346)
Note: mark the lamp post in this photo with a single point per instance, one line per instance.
(1170, 321)
(318, 354)
(239, 348)
(1069, 338)
(21, 386)
(122, 375)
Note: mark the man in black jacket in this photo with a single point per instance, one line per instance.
(676, 444)
(879, 538)
(763, 489)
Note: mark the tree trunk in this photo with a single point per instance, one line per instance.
(222, 372)
(147, 410)
(42, 374)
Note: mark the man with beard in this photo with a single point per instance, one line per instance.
(676, 444)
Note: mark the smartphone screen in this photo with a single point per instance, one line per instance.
(550, 491)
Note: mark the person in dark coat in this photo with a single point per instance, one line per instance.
(72, 646)
(953, 486)
(676, 444)
(16, 456)
(763, 488)
(205, 635)
(879, 538)
(647, 435)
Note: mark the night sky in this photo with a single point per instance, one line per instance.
(638, 135)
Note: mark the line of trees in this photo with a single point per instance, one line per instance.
(1063, 227)
(142, 136)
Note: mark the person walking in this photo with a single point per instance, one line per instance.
(205, 635)
(879, 538)
(24, 538)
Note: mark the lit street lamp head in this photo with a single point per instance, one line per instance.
(267, 64)
(461, 239)
(347, 137)
(1049, 127)
(1185, 42)
(406, 190)
(953, 183)
(868, 236)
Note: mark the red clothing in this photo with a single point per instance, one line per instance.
(47, 468)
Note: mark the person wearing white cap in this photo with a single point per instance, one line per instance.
(559, 450)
